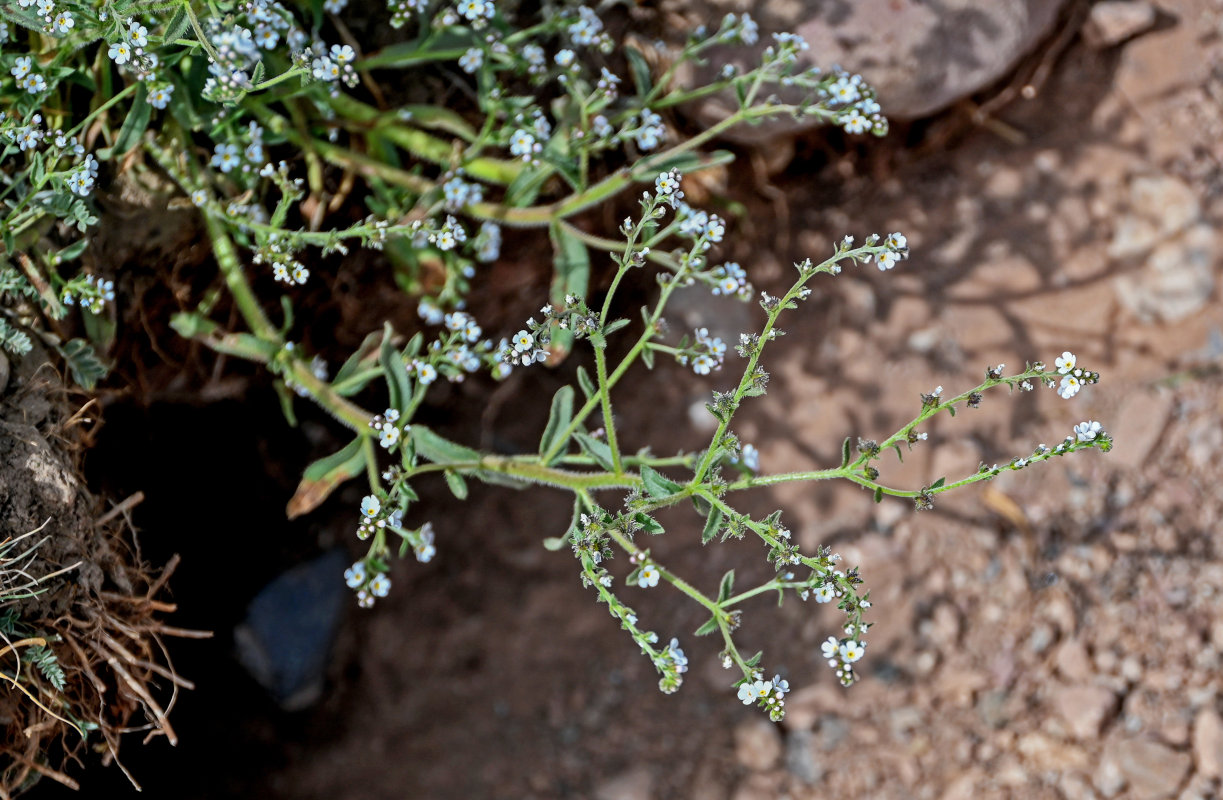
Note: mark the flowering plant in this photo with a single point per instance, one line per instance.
(260, 126)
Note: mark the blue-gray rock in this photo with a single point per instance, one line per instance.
(285, 641)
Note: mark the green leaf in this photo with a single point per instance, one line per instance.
(727, 586)
(655, 484)
(597, 450)
(457, 485)
(713, 524)
(648, 523)
(558, 419)
(323, 476)
(177, 26)
(134, 125)
(845, 453)
(709, 627)
(586, 384)
(647, 358)
(439, 450)
(87, 369)
(286, 403)
(642, 79)
(899, 455)
(495, 478)
(571, 275)
(397, 380)
(648, 168)
(614, 326)
(555, 543)
(939, 483)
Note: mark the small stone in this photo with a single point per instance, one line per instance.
(757, 744)
(1113, 21)
(1208, 743)
(1073, 662)
(636, 784)
(800, 757)
(1151, 770)
(1085, 709)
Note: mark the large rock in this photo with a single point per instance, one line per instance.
(920, 56)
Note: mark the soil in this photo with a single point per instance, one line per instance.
(1054, 633)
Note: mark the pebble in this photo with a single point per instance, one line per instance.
(1208, 743)
(1085, 709)
(1113, 21)
(1151, 770)
(636, 784)
(757, 744)
(800, 757)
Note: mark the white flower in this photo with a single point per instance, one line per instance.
(380, 585)
(886, 260)
(522, 143)
(830, 646)
(425, 550)
(896, 241)
(64, 22)
(160, 97)
(370, 506)
(1065, 362)
(389, 437)
(524, 342)
(343, 54)
(21, 66)
(225, 157)
(139, 33)
(1069, 387)
(425, 373)
(391, 415)
(780, 685)
(471, 60)
(854, 122)
(824, 594)
(1087, 431)
(746, 694)
(324, 69)
(34, 83)
(335, 6)
(354, 576)
(761, 689)
(120, 53)
(666, 183)
(649, 576)
(45, 7)
(851, 651)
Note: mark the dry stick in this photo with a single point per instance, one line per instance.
(48, 772)
(166, 572)
(122, 508)
(141, 692)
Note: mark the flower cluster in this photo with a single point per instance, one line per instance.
(841, 655)
(90, 292)
(766, 695)
(1073, 377)
(368, 587)
(705, 353)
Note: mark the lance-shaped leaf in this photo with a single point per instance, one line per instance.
(323, 476)
(440, 450)
(558, 419)
(656, 485)
(397, 380)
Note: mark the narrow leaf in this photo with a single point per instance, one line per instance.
(324, 475)
(597, 450)
(713, 524)
(655, 484)
(397, 380)
(845, 453)
(135, 124)
(939, 483)
(642, 80)
(457, 485)
(727, 587)
(709, 627)
(439, 450)
(558, 419)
